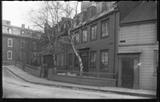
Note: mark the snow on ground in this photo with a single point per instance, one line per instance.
(14, 87)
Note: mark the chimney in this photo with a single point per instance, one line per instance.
(23, 26)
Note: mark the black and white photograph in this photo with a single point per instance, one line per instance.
(79, 49)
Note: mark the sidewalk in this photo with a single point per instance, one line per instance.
(36, 80)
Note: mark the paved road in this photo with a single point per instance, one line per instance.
(14, 87)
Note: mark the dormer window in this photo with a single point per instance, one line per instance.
(104, 6)
(107, 6)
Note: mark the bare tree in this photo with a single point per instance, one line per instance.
(50, 15)
(68, 11)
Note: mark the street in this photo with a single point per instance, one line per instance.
(14, 87)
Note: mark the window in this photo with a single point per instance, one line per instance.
(93, 60)
(10, 31)
(93, 32)
(104, 60)
(84, 36)
(76, 38)
(22, 32)
(9, 55)
(10, 42)
(105, 29)
(155, 61)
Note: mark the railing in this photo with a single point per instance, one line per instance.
(32, 67)
(85, 74)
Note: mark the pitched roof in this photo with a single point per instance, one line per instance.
(144, 11)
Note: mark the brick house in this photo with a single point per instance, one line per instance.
(137, 44)
(19, 44)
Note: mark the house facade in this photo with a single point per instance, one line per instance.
(95, 38)
(118, 48)
(19, 45)
(138, 45)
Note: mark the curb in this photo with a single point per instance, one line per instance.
(82, 88)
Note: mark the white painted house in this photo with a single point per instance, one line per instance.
(138, 47)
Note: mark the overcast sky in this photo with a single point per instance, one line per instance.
(18, 11)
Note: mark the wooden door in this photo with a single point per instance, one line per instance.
(127, 77)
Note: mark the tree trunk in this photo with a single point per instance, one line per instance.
(78, 56)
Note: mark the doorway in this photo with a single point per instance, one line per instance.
(129, 71)
(84, 56)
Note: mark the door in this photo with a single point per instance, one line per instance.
(84, 57)
(127, 76)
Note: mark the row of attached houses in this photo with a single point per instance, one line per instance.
(19, 44)
(118, 46)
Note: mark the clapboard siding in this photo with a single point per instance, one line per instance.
(147, 80)
(138, 34)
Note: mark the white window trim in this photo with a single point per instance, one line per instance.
(9, 51)
(10, 39)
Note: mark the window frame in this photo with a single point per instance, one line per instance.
(22, 32)
(86, 36)
(10, 44)
(105, 22)
(77, 37)
(92, 65)
(10, 31)
(103, 67)
(9, 58)
(95, 31)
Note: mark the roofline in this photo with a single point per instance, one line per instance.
(5, 34)
(115, 10)
(138, 22)
(21, 28)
